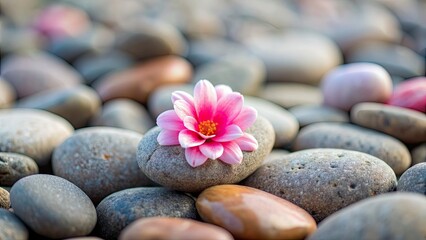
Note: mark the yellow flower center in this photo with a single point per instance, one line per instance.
(207, 127)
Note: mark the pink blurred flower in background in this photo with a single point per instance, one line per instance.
(209, 125)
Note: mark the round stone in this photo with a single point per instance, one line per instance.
(414, 179)
(407, 125)
(250, 213)
(353, 83)
(120, 209)
(352, 137)
(160, 99)
(7, 94)
(52, 206)
(11, 226)
(167, 165)
(77, 104)
(308, 114)
(126, 114)
(15, 166)
(290, 95)
(379, 217)
(4, 199)
(418, 154)
(411, 94)
(100, 161)
(284, 123)
(31, 132)
(323, 181)
(165, 228)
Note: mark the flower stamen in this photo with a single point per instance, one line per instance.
(207, 127)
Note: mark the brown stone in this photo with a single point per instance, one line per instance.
(4, 198)
(138, 82)
(249, 213)
(165, 228)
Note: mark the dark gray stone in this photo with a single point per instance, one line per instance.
(308, 114)
(52, 206)
(391, 216)
(418, 154)
(11, 227)
(15, 166)
(323, 181)
(100, 161)
(120, 209)
(414, 179)
(4, 198)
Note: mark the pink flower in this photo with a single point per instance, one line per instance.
(209, 125)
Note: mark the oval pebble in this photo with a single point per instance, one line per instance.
(52, 206)
(349, 84)
(250, 213)
(414, 179)
(4, 198)
(407, 125)
(159, 99)
(165, 228)
(352, 137)
(389, 216)
(308, 114)
(167, 165)
(418, 154)
(31, 132)
(12, 228)
(15, 166)
(120, 209)
(7, 94)
(323, 181)
(411, 94)
(100, 161)
(289, 95)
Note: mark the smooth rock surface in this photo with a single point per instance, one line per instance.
(120, 209)
(7, 94)
(407, 125)
(418, 154)
(160, 99)
(308, 114)
(352, 137)
(250, 213)
(389, 216)
(4, 199)
(167, 165)
(11, 227)
(410, 94)
(165, 228)
(15, 166)
(290, 95)
(323, 181)
(276, 153)
(414, 179)
(52, 206)
(100, 161)
(31, 132)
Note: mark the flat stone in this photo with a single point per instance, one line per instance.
(352, 137)
(250, 213)
(411, 94)
(414, 179)
(52, 206)
(160, 99)
(31, 132)
(308, 114)
(11, 226)
(290, 95)
(77, 104)
(4, 199)
(418, 154)
(165, 228)
(167, 166)
(7, 94)
(120, 209)
(323, 181)
(407, 125)
(378, 218)
(100, 161)
(15, 166)
(349, 84)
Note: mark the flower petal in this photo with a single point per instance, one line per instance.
(230, 133)
(170, 120)
(181, 95)
(228, 108)
(189, 138)
(168, 137)
(205, 100)
(183, 109)
(212, 150)
(246, 118)
(195, 157)
(222, 90)
(190, 123)
(232, 153)
(247, 142)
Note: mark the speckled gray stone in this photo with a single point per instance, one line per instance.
(323, 181)
(352, 137)
(34, 133)
(100, 161)
(120, 209)
(404, 124)
(77, 104)
(14, 166)
(7, 94)
(285, 124)
(167, 165)
(11, 227)
(418, 154)
(308, 114)
(52, 206)
(390, 216)
(126, 114)
(4, 198)
(414, 179)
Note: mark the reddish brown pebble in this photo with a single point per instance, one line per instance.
(165, 228)
(249, 213)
